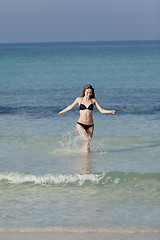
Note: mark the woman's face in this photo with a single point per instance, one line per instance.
(88, 93)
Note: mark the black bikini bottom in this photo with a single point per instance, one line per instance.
(86, 127)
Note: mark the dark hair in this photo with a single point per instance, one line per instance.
(88, 86)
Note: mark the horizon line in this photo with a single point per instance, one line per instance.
(81, 41)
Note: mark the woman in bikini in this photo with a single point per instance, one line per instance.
(85, 124)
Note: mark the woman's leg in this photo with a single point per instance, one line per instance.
(90, 132)
(85, 137)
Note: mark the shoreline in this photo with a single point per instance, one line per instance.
(80, 233)
(98, 230)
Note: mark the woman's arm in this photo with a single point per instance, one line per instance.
(103, 110)
(69, 107)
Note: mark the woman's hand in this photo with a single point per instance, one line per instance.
(60, 113)
(113, 112)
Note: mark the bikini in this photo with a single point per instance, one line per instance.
(83, 107)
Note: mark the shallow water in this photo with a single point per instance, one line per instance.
(45, 178)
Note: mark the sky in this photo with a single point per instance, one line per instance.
(78, 20)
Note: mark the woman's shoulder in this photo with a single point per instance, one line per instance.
(78, 99)
(93, 100)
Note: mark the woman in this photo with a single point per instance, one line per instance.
(85, 124)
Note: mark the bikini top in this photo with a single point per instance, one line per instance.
(83, 107)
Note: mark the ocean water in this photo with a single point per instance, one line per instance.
(46, 181)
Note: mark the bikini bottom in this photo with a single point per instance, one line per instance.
(86, 127)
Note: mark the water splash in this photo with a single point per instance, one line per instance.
(71, 142)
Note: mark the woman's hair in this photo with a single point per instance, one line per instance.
(88, 86)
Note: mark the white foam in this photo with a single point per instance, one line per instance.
(80, 179)
(117, 180)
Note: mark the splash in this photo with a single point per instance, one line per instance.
(72, 143)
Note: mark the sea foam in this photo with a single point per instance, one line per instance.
(102, 179)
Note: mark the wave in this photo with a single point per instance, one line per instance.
(41, 111)
(86, 179)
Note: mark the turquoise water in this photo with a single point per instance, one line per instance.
(45, 178)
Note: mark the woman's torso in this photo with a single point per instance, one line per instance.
(86, 111)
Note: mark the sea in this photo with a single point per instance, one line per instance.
(47, 182)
